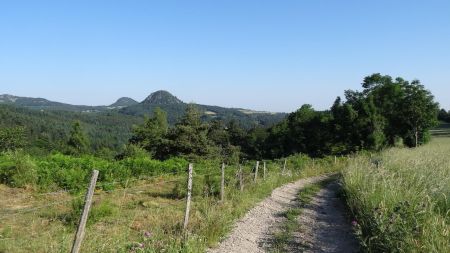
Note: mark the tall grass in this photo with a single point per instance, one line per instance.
(402, 205)
(148, 216)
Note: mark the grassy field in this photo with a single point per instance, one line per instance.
(146, 217)
(403, 204)
(443, 130)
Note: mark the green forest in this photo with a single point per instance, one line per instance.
(57, 149)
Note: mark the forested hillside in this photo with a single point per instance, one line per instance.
(386, 112)
(175, 109)
(45, 125)
(45, 131)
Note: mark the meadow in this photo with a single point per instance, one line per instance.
(400, 198)
(139, 213)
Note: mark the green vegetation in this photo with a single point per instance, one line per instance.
(58, 171)
(386, 112)
(443, 130)
(12, 138)
(48, 131)
(402, 205)
(47, 124)
(444, 115)
(145, 215)
(78, 142)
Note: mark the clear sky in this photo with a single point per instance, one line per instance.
(265, 55)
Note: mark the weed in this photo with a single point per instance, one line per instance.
(402, 206)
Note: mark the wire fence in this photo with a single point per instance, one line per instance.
(126, 186)
(233, 178)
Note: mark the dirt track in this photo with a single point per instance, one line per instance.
(251, 232)
(324, 226)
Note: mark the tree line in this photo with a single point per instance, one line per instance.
(444, 115)
(386, 112)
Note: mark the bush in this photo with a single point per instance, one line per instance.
(18, 170)
(144, 166)
(98, 212)
(202, 185)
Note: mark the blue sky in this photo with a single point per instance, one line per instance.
(264, 55)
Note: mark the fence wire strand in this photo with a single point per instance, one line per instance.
(127, 189)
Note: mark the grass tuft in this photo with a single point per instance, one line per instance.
(402, 205)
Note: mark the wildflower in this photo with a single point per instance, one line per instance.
(147, 234)
(354, 223)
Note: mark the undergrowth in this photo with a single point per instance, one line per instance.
(402, 203)
(148, 215)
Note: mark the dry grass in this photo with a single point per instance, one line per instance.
(403, 205)
(120, 218)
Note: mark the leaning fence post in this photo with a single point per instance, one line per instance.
(188, 198)
(264, 170)
(241, 178)
(256, 171)
(84, 215)
(222, 184)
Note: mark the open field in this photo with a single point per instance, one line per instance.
(443, 130)
(403, 204)
(146, 217)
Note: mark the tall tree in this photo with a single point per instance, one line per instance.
(218, 134)
(418, 113)
(444, 115)
(152, 135)
(12, 138)
(78, 142)
(409, 109)
(189, 138)
(236, 133)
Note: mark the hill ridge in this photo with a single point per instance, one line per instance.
(161, 97)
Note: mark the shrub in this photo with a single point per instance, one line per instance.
(98, 212)
(18, 170)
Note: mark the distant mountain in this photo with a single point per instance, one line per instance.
(161, 97)
(174, 107)
(28, 102)
(48, 123)
(123, 102)
(44, 104)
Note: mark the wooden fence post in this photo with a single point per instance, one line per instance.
(84, 215)
(284, 166)
(241, 178)
(222, 184)
(335, 160)
(256, 171)
(264, 170)
(188, 197)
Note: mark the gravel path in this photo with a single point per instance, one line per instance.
(251, 233)
(324, 225)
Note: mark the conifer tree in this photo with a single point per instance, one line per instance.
(78, 142)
